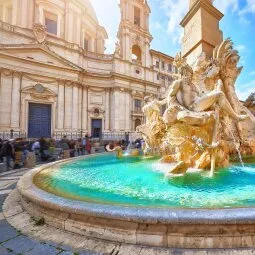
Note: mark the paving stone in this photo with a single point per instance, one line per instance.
(42, 249)
(130, 250)
(65, 253)
(2, 198)
(4, 251)
(7, 231)
(20, 244)
(231, 252)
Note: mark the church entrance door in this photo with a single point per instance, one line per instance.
(96, 128)
(39, 122)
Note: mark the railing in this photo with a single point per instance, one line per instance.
(69, 135)
(136, 61)
(105, 136)
(6, 135)
(118, 136)
(95, 55)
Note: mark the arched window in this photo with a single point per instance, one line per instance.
(136, 54)
(137, 123)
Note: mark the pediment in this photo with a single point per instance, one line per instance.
(39, 54)
(39, 92)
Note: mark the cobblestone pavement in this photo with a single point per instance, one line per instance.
(12, 242)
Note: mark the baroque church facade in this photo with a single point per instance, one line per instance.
(55, 77)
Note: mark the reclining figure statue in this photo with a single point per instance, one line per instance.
(196, 109)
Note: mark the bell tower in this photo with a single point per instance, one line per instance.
(201, 29)
(134, 35)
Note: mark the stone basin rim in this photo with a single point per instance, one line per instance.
(31, 192)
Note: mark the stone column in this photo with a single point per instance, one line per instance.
(41, 15)
(127, 106)
(59, 25)
(15, 12)
(75, 108)
(92, 45)
(68, 106)
(107, 110)
(15, 104)
(61, 105)
(83, 38)
(85, 108)
(116, 110)
(24, 13)
(80, 108)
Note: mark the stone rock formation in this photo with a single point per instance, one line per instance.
(203, 113)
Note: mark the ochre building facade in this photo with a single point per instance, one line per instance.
(55, 77)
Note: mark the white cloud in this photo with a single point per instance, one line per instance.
(175, 10)
(108, 14)
(249, 8)
(245, 90)
(157, 25)
(225, 5)
(241, 48)
(252, 73)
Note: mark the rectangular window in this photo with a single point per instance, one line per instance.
(170, 79)
(158, 76)
(170, 68)
(157, 64)
(137, 16)
(86, 44)
(138, 105)
(51, 23)
(163, 65)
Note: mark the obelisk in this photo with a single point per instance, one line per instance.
(201, 29)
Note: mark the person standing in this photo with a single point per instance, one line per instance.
(9, 153)
(78, 147)
(88, 146)
(83, 145)
(1, 151)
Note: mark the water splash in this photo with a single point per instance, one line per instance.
(237, 145)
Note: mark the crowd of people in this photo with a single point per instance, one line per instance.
(16, 151)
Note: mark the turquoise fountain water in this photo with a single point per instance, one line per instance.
(137, 181)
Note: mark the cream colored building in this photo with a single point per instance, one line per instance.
(55, 77)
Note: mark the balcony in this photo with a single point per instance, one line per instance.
(137, 112)
(137, 62)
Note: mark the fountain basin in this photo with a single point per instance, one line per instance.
(138, 224)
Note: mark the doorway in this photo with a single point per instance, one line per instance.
(96, 128)
(39, 120)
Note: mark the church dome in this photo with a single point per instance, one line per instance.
(90, 10)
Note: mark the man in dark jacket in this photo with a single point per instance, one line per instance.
(8, 151)
(1, 151)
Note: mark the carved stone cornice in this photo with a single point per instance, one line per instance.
(39, 80)
(17, 74)
(6, 72)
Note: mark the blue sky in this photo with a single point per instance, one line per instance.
(238, 23)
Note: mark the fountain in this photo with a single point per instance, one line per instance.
(128, 199)
(191, 131)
